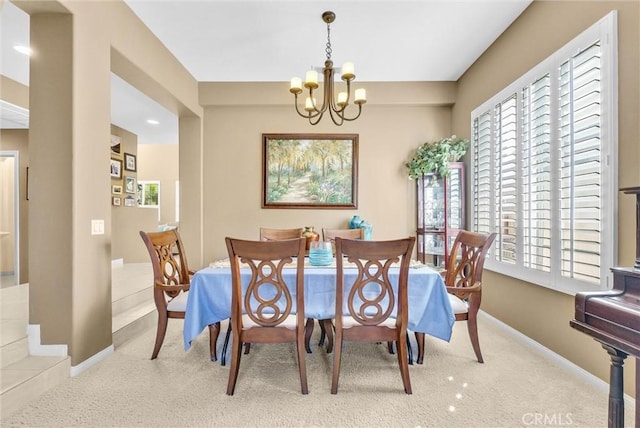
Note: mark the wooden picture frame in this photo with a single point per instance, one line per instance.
(116, 189)
(129, 184)
(310, 171)
(116, 201)
(116, 169)
(130, 162)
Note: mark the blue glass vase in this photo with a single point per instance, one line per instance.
(355, 222)
(368, 230)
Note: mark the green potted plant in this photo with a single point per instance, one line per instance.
(434, 157)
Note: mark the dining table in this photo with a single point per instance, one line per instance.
(209, 297)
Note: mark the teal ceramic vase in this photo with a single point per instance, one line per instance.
(355, 222)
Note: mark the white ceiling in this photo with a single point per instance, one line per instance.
(267, 40)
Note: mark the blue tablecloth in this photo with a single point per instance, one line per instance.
(209, 299)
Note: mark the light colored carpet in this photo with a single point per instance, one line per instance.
(514, 387)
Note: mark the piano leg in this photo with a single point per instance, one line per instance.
(616, 387)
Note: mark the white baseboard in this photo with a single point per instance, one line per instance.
(36, 348)
(76, 370)
(557, 358)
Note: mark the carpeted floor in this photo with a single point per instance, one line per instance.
(514, 387)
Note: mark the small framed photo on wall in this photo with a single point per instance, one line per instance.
(116, 168)
(115, 200)
(129, 201)
(130, 184)
(130, 162)
(116, 189)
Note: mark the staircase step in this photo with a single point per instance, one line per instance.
(28, 378)
(133, 322)
(135, 299)
(14, 351)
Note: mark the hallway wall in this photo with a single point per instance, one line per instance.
(18, 140)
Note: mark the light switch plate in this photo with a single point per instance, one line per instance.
(97, 227)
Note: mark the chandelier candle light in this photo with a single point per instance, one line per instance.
(336, 107)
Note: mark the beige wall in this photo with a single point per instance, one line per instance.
(159, 162)
(14, 92)
(542, 29)
(126, 243)
(389, 130)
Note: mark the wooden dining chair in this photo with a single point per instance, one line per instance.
(375, 307)
(463, 280)
(264, 309)
(267, 234)
(329, 235)
(171, 282)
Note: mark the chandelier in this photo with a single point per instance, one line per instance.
(336, 107)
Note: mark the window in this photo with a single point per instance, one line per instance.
(544, 153)
(149, 195)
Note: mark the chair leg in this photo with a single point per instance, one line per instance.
(160, 333)
(403, 362)
(236, 355)
(308, 331)
(337, 354)
(390, 347)
(420, 340)
(247, 348)
(409, 350)
(214, 332)
(323, 333)
(472, 326)
(302, 365)
(223, 358)
(328, 328)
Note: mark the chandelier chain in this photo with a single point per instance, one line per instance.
(328, 48)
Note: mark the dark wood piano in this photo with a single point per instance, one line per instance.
(613, 318)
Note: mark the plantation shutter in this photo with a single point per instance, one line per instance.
(482, 173)
(536, 175)
(505, 171)
(580, 169)
(544, 167)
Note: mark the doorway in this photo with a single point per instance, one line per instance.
(9, 218)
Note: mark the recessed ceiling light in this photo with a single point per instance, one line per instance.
(26, 50)
(153, 122)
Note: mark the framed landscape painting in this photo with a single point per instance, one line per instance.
(316, 171)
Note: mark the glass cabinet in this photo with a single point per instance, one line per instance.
(441, 213)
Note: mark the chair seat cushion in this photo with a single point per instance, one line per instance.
(178, 303)
(290, 322)
(458, 305)
(348, 322)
